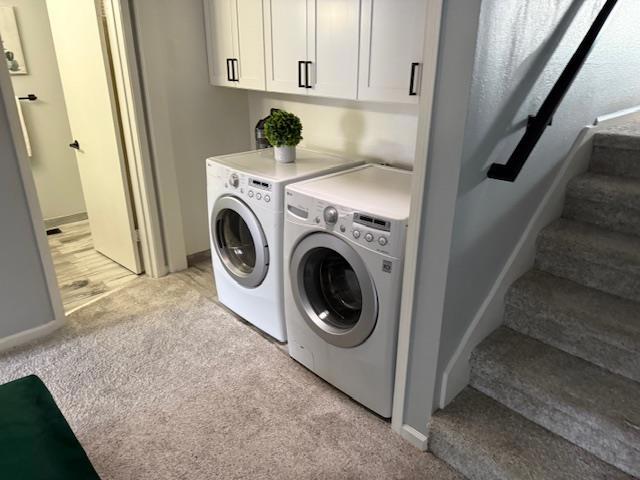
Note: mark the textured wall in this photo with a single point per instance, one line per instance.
(521, 49)
(373, 131)
(53, 163)
(200, 120)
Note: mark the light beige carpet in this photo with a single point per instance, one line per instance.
(159, 383)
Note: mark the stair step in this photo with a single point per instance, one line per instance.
(610, 202)
(483, 439)
(617, 152)
(583, 403)
(593, 325)
(592, 256)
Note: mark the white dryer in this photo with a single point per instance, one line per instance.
(344, 246)
(246, 200)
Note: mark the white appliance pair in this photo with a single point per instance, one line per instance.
(245, 193)
(335, 275)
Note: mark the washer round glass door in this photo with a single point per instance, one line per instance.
(333, 290)
(239, 241)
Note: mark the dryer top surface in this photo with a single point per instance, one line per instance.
(371, 188)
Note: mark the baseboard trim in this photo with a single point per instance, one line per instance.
(57, 221)
(413, 436)
(198, 257)
(490, 314)
(30, 335)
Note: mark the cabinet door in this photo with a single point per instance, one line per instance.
(286, 44)
(249, 45)
(333, 36)
(392, 35)
(219, 18)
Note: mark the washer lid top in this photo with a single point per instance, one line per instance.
(375, 189)
(261, 163)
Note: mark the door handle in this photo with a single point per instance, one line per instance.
(306, 75)
(235, 70)
(412, 82)
(75, 145)
(300, 64)
(229, 77)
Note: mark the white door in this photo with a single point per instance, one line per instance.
(84, 70)
(286, 45)
(391, 39)
(333, 37)
(249, 52)
(220, 20)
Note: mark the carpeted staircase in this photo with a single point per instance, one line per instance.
(555, 391)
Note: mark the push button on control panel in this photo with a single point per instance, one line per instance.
(258, 196)
(356, 234)
(383, 241)
(250, 194)
(368, 237)
(267, 198)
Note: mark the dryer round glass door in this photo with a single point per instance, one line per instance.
(333, 290)
(239, 241)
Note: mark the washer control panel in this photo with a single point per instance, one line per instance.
(371, 231)
(253, 190)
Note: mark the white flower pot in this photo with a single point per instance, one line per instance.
(285, 154)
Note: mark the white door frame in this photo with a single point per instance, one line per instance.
(139, 159)
(429, 74)
(136, 144)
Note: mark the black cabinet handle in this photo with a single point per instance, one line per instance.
(75, 145)
(229, 62)
(412, 82)
(31, 97)
(306, 75)
(300, 84)
(235, 70)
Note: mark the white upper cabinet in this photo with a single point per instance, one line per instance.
(354, 49)
(333, 48)
(285, 24)
(219, 23)
(235, 43)
(312, 47)
(249, 44)
(391, 44)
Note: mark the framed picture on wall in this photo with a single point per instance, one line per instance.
(11, 45)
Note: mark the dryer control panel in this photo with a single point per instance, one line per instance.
(371, 231)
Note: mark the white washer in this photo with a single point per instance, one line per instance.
(344, 243)
(246, 200)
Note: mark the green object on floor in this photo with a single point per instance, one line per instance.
(36, 442)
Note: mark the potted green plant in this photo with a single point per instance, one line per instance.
(284, 132)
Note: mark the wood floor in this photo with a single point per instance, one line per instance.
(83, 274)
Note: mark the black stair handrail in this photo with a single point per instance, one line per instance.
(539, 123)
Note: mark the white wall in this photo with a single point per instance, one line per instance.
(24, 294)
(53, 163)
(371, 131)
(189, 120)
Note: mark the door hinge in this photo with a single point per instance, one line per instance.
(136, 235)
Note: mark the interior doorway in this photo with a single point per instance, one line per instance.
(68, 75)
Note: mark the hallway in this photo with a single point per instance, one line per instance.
(83, 274)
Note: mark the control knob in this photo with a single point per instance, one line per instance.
(234, 181)
(330, 215)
